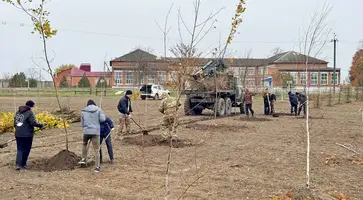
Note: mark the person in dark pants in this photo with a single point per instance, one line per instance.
(293, 103)
(24, 123)
(302, 103)
(272, 103)
(106, 128)
(248, 102)
(266, 102)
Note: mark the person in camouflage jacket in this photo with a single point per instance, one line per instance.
(168, 106)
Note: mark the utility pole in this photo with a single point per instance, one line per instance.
(335, 78)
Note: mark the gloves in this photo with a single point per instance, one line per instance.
(41, 126)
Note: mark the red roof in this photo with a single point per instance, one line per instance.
(79, 72)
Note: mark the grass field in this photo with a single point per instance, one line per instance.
(235, 158)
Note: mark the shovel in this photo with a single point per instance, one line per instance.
(144, 132)
(6, 143)
(12, 140)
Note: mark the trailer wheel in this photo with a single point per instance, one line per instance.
(220, 107)
(228, 108)
(187, 110)
(242, 108)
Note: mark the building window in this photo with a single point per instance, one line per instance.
(171, 76)
(151, 78)
(129, 78)
(324, 78)
(314, 78)
(334, 79)
(263, 71)
(294, 77)
(302, 78)
(118, 77)
(161, 78)
(251, 71)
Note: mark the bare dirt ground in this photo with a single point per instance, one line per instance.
(235, 158)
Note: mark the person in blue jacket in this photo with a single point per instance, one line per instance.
(105, 130)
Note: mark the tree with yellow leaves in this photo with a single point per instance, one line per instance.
(41, 25)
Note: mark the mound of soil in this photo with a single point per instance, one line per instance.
(155, 140)
(255, 119)
(303, 194)
(68, 114)
(217, 127)
(64, 160)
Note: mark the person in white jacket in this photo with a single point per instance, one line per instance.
(91, 119)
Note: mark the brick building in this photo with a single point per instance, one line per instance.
(139, 67)
(74, 75)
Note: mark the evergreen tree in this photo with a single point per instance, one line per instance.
(84, 82)
(63, 83)
(102, 83)
(33, 83)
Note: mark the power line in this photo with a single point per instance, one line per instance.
(159, 38)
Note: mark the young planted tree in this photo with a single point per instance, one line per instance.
(41, 25)
(313, 42)
(188, 61)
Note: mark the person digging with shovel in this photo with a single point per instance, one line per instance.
(125, 110)
(168, 106)
(91, 118)
(24, 123)
(105, 134)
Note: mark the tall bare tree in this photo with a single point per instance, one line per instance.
(312, 44)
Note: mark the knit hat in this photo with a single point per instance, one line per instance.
(128, 92)
(30, 103)
(91, 102)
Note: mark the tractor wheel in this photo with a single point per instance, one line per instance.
(220, 107)
(197, 111)
(228, 111)
(187, 107)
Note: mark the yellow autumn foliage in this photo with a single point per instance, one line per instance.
(45, 118)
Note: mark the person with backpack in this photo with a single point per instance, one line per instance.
(105, 134)
(24, 123)
(91, 118)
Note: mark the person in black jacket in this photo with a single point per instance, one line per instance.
(24, 123)
(293, 102)
(302, 103)
(125, 110)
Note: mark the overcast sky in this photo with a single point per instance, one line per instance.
(91, 31)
